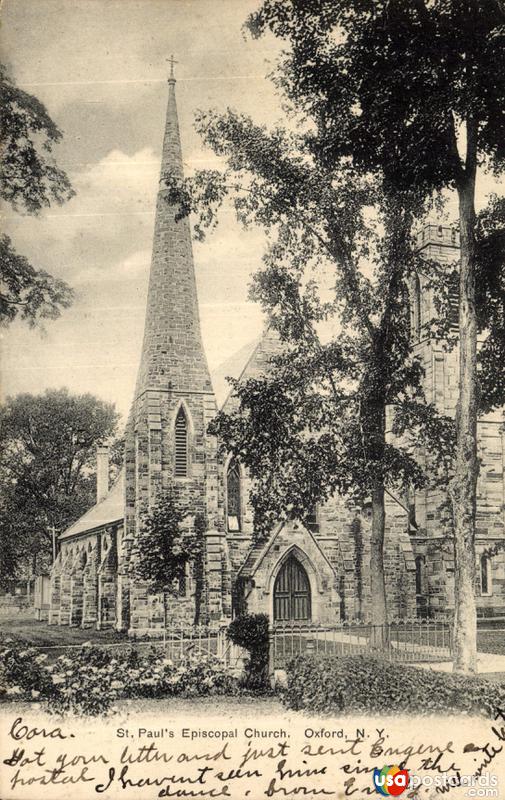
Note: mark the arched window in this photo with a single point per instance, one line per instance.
(233, 496)
(420, 574)
(292, 593)
(416, 309)
(181, 445)
(486, 584)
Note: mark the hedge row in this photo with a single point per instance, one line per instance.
(93, 678)
(358, 684)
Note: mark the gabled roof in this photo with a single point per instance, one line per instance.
(257, 552)
(258, 363)
(109, 510)
(233, 367)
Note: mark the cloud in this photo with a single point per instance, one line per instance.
(133, 267)
(100, 68)
(118, 184)
(101, 243)
(108, 222)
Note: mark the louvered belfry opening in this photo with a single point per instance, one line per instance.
(292, 601)
(181, 445)
(454, 308)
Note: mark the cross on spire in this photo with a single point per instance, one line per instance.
(172, 62)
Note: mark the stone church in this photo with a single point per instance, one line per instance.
(318, 571)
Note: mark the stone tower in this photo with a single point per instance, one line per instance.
(167, 447)
(432, 539)
(431, 531)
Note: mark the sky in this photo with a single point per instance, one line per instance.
(100, 67)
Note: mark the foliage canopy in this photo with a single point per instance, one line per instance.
(30, 180)
(47, 470)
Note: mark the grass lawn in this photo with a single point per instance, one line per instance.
(242, 707)
(491, 641)
(226, 707)
(41, 634)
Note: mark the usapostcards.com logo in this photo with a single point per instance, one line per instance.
(390, 781)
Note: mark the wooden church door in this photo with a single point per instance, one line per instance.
(292, 593)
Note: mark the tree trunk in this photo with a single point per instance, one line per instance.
(379, 636)
(373, 431)
(464, 484)
(165, 614)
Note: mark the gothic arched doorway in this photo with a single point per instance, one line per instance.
(292, 593)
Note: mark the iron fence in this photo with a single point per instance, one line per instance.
(177, 642)
(407, 641)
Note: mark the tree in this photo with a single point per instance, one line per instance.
(30, 181)
(47, 470)
(164, 548)
(317, 424)
(29, 294)
(417, 90)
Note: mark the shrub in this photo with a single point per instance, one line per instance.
(251, 632)
(357, 684)
(23, 672)
(92, 679)
(89, 681)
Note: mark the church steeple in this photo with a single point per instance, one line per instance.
(167, 444)
(172, 354)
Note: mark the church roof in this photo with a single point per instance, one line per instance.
(233, 367)
(258, 362)
(106, 512)
(252, 558)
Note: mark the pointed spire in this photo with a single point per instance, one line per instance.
(173, 357)
(172, 61)
(171, 159)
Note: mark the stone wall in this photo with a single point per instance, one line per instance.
(293, 537)
(107, 579)
(152, 473)
(90, 583)
(83, 583)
